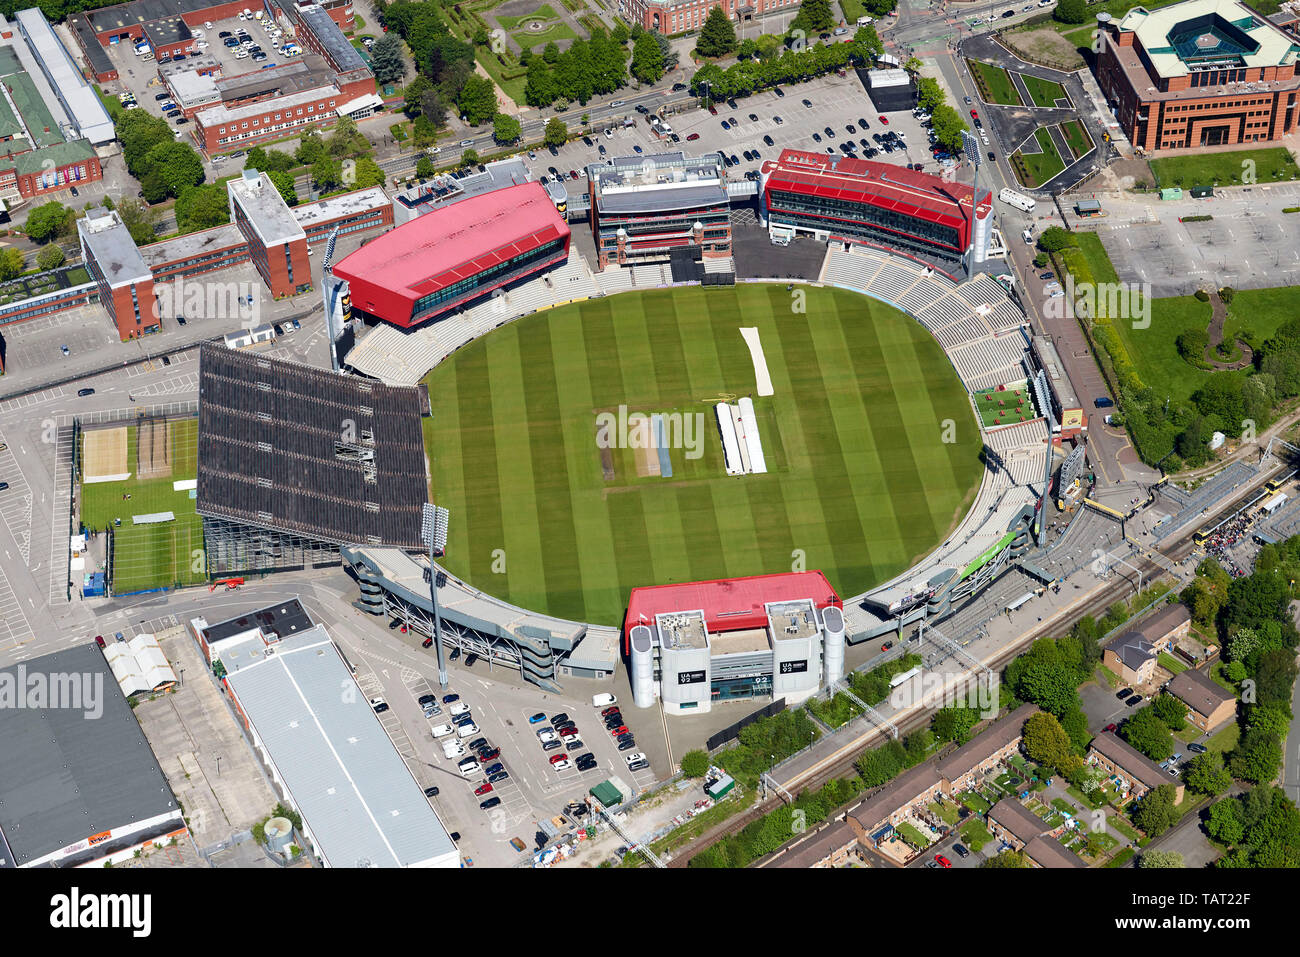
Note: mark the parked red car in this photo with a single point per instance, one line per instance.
(974, 115)
(99, 640)
(568, 732)
(884, 120)
(427, 643)
(1109, 727)
(557, 758)
(483, 789)
(621, 729)
(942, 861)
(608, 711)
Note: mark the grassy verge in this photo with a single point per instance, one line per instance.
(1043, 92)
(1270, 165)
(1035, 169)
(1122, 858)
(1076, 137)
(994, 84)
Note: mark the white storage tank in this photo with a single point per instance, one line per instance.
(279, 834)
(832, 645)
(643, 669)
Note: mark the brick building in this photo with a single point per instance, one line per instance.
(1138, 774)
(277, 244)
(1208, 704)
(1133, 654)
(1012, 823)
(124, 280)
(1199, 73)
(670, 17)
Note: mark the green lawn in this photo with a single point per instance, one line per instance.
(975, 802)
(544, 12)
(1043, 92)
(912, 836)
(859, 480)
(554, 32)
(945, 812)
(975, 836)
(158, 555)
(1170, 663)
(1065, 807)
(996, 83)
(1270, 166)
(1122, 858)
(1038, 168)
(1077, 138)
(1224, 740)
(1118, 823)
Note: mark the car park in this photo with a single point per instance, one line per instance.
(807, 104)
(537, 718)
(726, 125)
(942, 861)
(817, 137)
(379, 704)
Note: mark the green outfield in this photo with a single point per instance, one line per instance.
(158, 555)
(861, 480)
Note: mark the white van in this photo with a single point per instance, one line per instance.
(452, 749)
(459, 708)
(603, 700)
(467, 767)
(442, 730)
(467, 730)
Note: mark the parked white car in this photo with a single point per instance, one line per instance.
(634, 757)
(452, 749)
(546, 736)
(562, 765)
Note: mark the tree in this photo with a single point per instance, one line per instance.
(695, 764)
(505, 129)
(201, 207)
(540, 88)
(717, 36)
(177, 164)
(1155, 813)
(154, 187)
(1055, 238)
(365, 173)
(413, 93)
(49, 220)
(477, 100)
(929, 94)
(12, 263)
(1224, 822)
(469, 158)
(50, 257)
(1007, 859)
(557, 134)
(867, 44)
(1171, 711)
(1275, 675)
(267, 160)
(954, 724)
(311, 149)
(1257, 756)
(647, 60)
(1152, 859)
(1071, 11)
(948, 126)
(1146, 732)
(878, 766)
(386, 59)
(814, 16)
(1040, 676)
(346, 140)
(139, 219)
(433, 109)
(283, 183)
(913, 65)
(327, 174)
(1206, 774)
(1046, 741)
(424, 167)
(619, 34)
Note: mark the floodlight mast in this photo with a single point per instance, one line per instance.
(433, 532)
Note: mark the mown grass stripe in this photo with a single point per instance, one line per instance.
(483, 519)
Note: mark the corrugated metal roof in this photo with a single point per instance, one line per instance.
(355, 793)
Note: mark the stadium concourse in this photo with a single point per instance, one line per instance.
(981, 329)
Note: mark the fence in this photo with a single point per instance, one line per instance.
(733, 731)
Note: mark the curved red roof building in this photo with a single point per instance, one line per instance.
(856, 199)
(456, 254)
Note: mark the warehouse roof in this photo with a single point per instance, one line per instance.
(81, 775)
(86, 110)
(355, 793)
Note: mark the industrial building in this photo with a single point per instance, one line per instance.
(295, 461)
(140, 665)
(1199, 73)
(36, 158)
(643, 207)
(768, 636)
(841, 198)
(272, 623)
(79, 101)
(454, 255)
(891, 90)
(277, 244)
(327, 754)
(81, 784)
(123, 279)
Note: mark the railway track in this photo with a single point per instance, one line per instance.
(1094, 605)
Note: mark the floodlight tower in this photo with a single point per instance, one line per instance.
(972, 147)
(433, 532)
(332, 289)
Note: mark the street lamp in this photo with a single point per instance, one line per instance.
(433, 532)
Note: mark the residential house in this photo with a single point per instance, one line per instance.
(1137, 773)
(1208, 703)
(834, 846)
(1012, 823)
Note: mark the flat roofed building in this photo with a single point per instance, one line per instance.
(845, 198)
(81, 784)
(643, 207)
(455, 255)
(273, 623)
(1066, 411)
(352, 212)
(768, 635)
(277, 244)
(1199, 73)
(223, 128)
(329, 756)
(117, 267)
(78, 99)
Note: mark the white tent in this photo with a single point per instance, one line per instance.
(139, 665)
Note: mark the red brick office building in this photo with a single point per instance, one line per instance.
(1199, 73)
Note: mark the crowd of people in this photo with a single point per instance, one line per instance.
(1225, 539)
